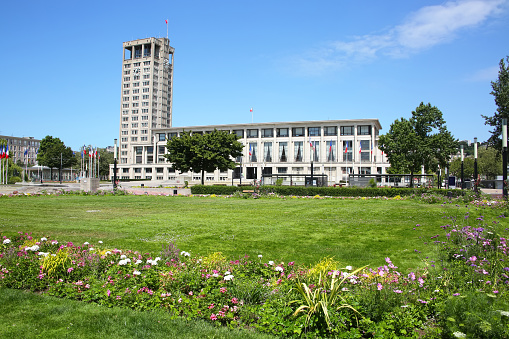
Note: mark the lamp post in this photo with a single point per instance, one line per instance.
(475, 165)
(115, 165)
(462, 176)
(504, 157)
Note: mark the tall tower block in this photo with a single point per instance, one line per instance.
(146, 94)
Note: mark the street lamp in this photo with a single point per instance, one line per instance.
(504, 156)
(115, 165)
(462, 159)
(475, 165)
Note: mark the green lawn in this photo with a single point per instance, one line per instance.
(355, 232)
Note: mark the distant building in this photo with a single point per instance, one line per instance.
(336, 147)
(22, 149)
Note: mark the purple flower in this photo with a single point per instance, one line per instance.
(456, 294)
(379, 286)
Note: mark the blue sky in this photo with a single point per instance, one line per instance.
(289, 60)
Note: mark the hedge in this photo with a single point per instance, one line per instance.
(325, 191)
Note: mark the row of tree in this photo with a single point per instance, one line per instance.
(423, 141)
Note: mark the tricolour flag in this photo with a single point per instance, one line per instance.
(310, 143)
(26, 151)
(6, 156)
(251, 109)
(249, 149)
(2, 152)
(346, 148)
(371, 148)
(360, 147)
(166, 21)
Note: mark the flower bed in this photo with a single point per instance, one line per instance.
(462, 291)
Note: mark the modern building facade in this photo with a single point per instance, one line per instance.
(22, 149)
(336, 148)
(146, 92)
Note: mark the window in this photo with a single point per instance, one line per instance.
(144, 131)
(127, 72)
(239, 132)
(126, 92)
(143, 139)
(125, 98)
(346, 130)
(162, 137)
(136, 64)
(144, 117)
(134, 118)
(162, 149)
(267, 133)
(146, 76)
(347, 150)
(146, 63)
(330, 151)
(136, 97)
(330, 131)
(365, 170)
(282, 132)
(125, 112)
(125, 105)
(127, 66)
(134, 111)
(125, 125)
(125, 118)
(126, 85)
(282, 170)
(283, 151)
(267, 152)
(298, 132)
(134, 132)
(315, 150)
(146, 90)
(134, 138)
(144, 103)
(145, 97)
(365, 151)
(252, 133)
(314, 131)
(137, 170)
(136, 84)
(136, 104)
(253, 154)
(144, 124)
(172, 135)
(146, 83)
(127, 79)
(364, 130)
(136, 91)
(298, 150)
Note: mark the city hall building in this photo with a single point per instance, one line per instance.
(285, 150)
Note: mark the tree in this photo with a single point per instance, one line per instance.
(53, 153)
(423, 140)
(105, 159)
(489, 164)
(500, 90)
(204, 152)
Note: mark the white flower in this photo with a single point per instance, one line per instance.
(185, 254)
(157, 259)
(7, 241)
(107, 252)
(349, 268)
(227, 273)
(138, 262)
(504, 313)
(100, 242)
(45, 254)
(123, 262)
(151, 262)
(215, 275)
(136, 272)
(279, 269)
(85, 243)
(33, 248)
(123, 256)
(91, 249)
(259, 255)
(53, 255)
(43, 239)
(228, 277)
(271, 263)
(54, 242)
(459, 335)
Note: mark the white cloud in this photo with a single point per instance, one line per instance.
(423, 29)
(485, 75)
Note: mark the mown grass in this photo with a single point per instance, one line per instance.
(355, 232)
(28, 315)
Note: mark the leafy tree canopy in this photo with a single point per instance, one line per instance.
(500, 90)
(422, 140)
(204, 152)
(489, 164)
(52, 151)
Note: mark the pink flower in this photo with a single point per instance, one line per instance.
(108, 293)
(223, 289)
(411, 276)
(213, 317)
(379, 286)
(70, 269)
(235, 300)
(211, 306)
(191, 293)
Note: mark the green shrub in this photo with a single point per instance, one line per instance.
(13, 180)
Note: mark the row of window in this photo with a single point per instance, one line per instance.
(296, 132)
(137, 64)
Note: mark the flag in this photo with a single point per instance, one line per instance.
(26, 151)
(166, 21)
(6, 156)
(310, 143)
(360, 147)
(249, 149)
(371, 148)
(346, 148)
(2, 152)
(90, 152)
(330, 147)
(251, 109)
(82, 154)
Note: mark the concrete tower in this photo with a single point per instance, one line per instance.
(146, 95)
